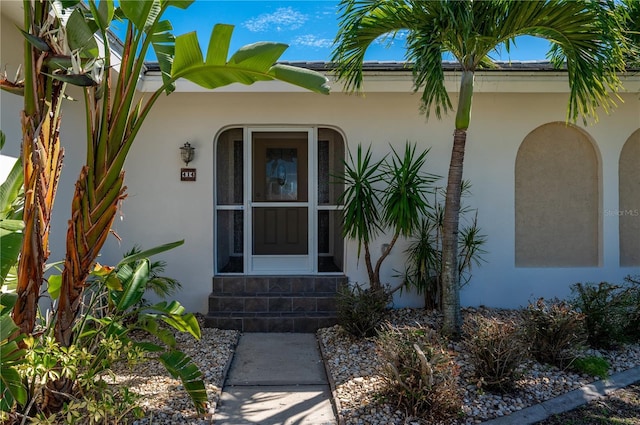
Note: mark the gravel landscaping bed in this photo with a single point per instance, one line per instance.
(164, 400)
(355, 368)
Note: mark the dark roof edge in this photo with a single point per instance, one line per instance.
(393, 66)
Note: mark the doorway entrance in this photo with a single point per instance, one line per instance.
(279, 214)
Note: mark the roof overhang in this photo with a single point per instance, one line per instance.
(396, 77)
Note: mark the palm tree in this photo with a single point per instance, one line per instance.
(585, 39)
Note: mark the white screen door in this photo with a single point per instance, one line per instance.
(279, 203)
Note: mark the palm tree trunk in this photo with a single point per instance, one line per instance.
(452, 321)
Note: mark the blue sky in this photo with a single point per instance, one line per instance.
(307, 26)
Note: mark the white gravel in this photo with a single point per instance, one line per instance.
(164, 400)
(355, 369)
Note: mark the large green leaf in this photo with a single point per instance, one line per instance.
(140, 13)
(53, 288)
(11, 242)
(103, 14)
(10, 190)
(11, 224)
(219, 42)
(181, 366)
(150, 324)
(133, 288)
(7, 301)
(251, 63)
(163, 43)
(180, 4)
(173, 314)
(11, 386)
(149, 252)
(301, 77)
(80, 36)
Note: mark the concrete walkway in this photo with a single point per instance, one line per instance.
(276, 378)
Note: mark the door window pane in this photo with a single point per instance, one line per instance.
(330, 163)
(230, 237)
(330, 241)
(229, 168)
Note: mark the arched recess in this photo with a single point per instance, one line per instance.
(557, 199)
(276, 205)
(629, 198)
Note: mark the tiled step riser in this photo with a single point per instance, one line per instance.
(273, 303)
(257, 286)
(279, 304)
(272, 324)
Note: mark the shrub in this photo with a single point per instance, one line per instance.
(612, 313)
(420, 373)
(554, 331)
(361, 311)
(497, 349)
(424, 255)
(632, 327)
(591, 365)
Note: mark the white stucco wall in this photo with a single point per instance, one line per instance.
(160, 208)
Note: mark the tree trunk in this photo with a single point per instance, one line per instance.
(450, 278)
(41, 164)
(88, 229)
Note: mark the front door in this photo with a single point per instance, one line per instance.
(279, 204)
(276, 206)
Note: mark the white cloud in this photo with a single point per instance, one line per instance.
(284, 18)
(391, 39)
(310, 40)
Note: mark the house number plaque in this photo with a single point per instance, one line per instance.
(188, 174)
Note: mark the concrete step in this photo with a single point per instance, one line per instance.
(273, 303)
(299, 323)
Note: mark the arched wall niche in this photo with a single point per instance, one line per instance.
(557, 198)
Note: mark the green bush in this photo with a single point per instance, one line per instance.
(612, 312)
(497, 349)
(424, 255)
(554, 330)
(361, 311)
(115, 328)
(591, 365)
(420, 373)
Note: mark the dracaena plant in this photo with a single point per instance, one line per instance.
(370, 209)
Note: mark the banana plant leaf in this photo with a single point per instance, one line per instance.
(11, 224)
(251, 63)
(180, 366)
(12, 389)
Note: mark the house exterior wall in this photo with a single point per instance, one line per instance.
(160, 208)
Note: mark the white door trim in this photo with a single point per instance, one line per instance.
(281, 264)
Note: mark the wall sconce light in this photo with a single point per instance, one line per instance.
(186, 152)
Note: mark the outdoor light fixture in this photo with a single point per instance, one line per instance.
(186, 152)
